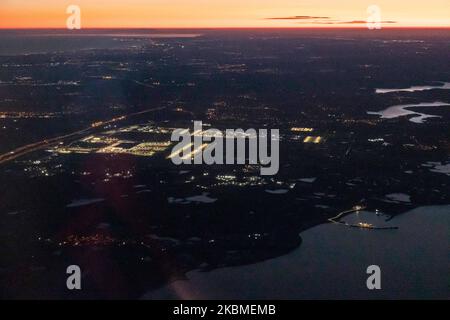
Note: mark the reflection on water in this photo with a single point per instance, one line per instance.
(438, 167)
(443, 86)
(332, 261)
(403, 110)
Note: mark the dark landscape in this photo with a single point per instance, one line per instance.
(85, 125)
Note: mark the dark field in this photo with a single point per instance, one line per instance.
(131, 222)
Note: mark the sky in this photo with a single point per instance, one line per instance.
(223, 13)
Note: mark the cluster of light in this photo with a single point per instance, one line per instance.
(25, 115)
(230, 181)
(310, 139)
(225, 178)
(365, 225)
(255, 236)
(126, 174)
(146, 149)
(101, 123)
(114, 148)
(94, 240)
(145, 129)
(97, 124)
(78, 150)
(38, 171)
(295, 129)
(97, 140)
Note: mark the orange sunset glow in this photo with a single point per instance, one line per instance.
(222, 13)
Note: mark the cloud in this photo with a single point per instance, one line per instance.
(323, 20)
(351, 22)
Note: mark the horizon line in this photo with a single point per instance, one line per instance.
(224, 28)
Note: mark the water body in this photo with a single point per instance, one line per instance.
(33, 42)
(404, 110)
(204, 198)
(308, 180)
(332, 261)
(443, 86)
(438, 167)
(399, 197)
(83, 202)
(278, 191)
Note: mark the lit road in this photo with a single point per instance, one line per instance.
(24, 150)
